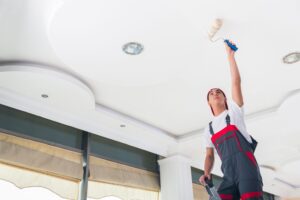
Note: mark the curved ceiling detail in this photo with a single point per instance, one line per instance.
(97, 44)
(288, 112)
(24, 32)
(268, 174)
(47, 84)
(289, 103)
(292, 170)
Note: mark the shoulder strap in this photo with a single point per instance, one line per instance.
(210, 124)
(210, 128)
(227, 120)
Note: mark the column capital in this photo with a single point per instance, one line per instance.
(175, 158)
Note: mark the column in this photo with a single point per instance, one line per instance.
(176, 178)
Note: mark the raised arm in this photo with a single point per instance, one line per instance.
(236, 89)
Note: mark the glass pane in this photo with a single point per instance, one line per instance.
(12, 192)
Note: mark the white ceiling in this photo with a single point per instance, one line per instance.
(72, 51)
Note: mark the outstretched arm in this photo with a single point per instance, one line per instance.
(236, 89)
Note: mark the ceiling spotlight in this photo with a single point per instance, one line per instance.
(291, 58)
(133, 48)
(44, 96)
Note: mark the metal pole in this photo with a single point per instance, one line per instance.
(85, 165)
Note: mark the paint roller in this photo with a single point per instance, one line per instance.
(217, 24)
(211, 190)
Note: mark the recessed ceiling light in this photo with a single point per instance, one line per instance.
(44, 95)
(133, 48)
(291, 58)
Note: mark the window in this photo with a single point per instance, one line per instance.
(12, 192)
(107, 198)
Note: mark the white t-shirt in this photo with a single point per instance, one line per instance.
(236, 115)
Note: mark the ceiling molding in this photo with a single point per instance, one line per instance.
(97, 127)
(24, 65)
(134, 121)
(293, 186)
(12, 65)
(249, 117)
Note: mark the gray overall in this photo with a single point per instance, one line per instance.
(242, 179)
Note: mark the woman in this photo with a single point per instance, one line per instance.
(228, 135)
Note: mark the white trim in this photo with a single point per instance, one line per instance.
(145, 138)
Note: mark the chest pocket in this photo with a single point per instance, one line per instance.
(226, 141)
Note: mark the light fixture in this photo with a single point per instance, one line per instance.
(44, 96)
(133, 48)
(291, 58)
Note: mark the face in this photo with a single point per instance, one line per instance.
(216, 96)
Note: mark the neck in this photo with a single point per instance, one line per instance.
(218, 110)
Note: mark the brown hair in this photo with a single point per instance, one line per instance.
(226, 106)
